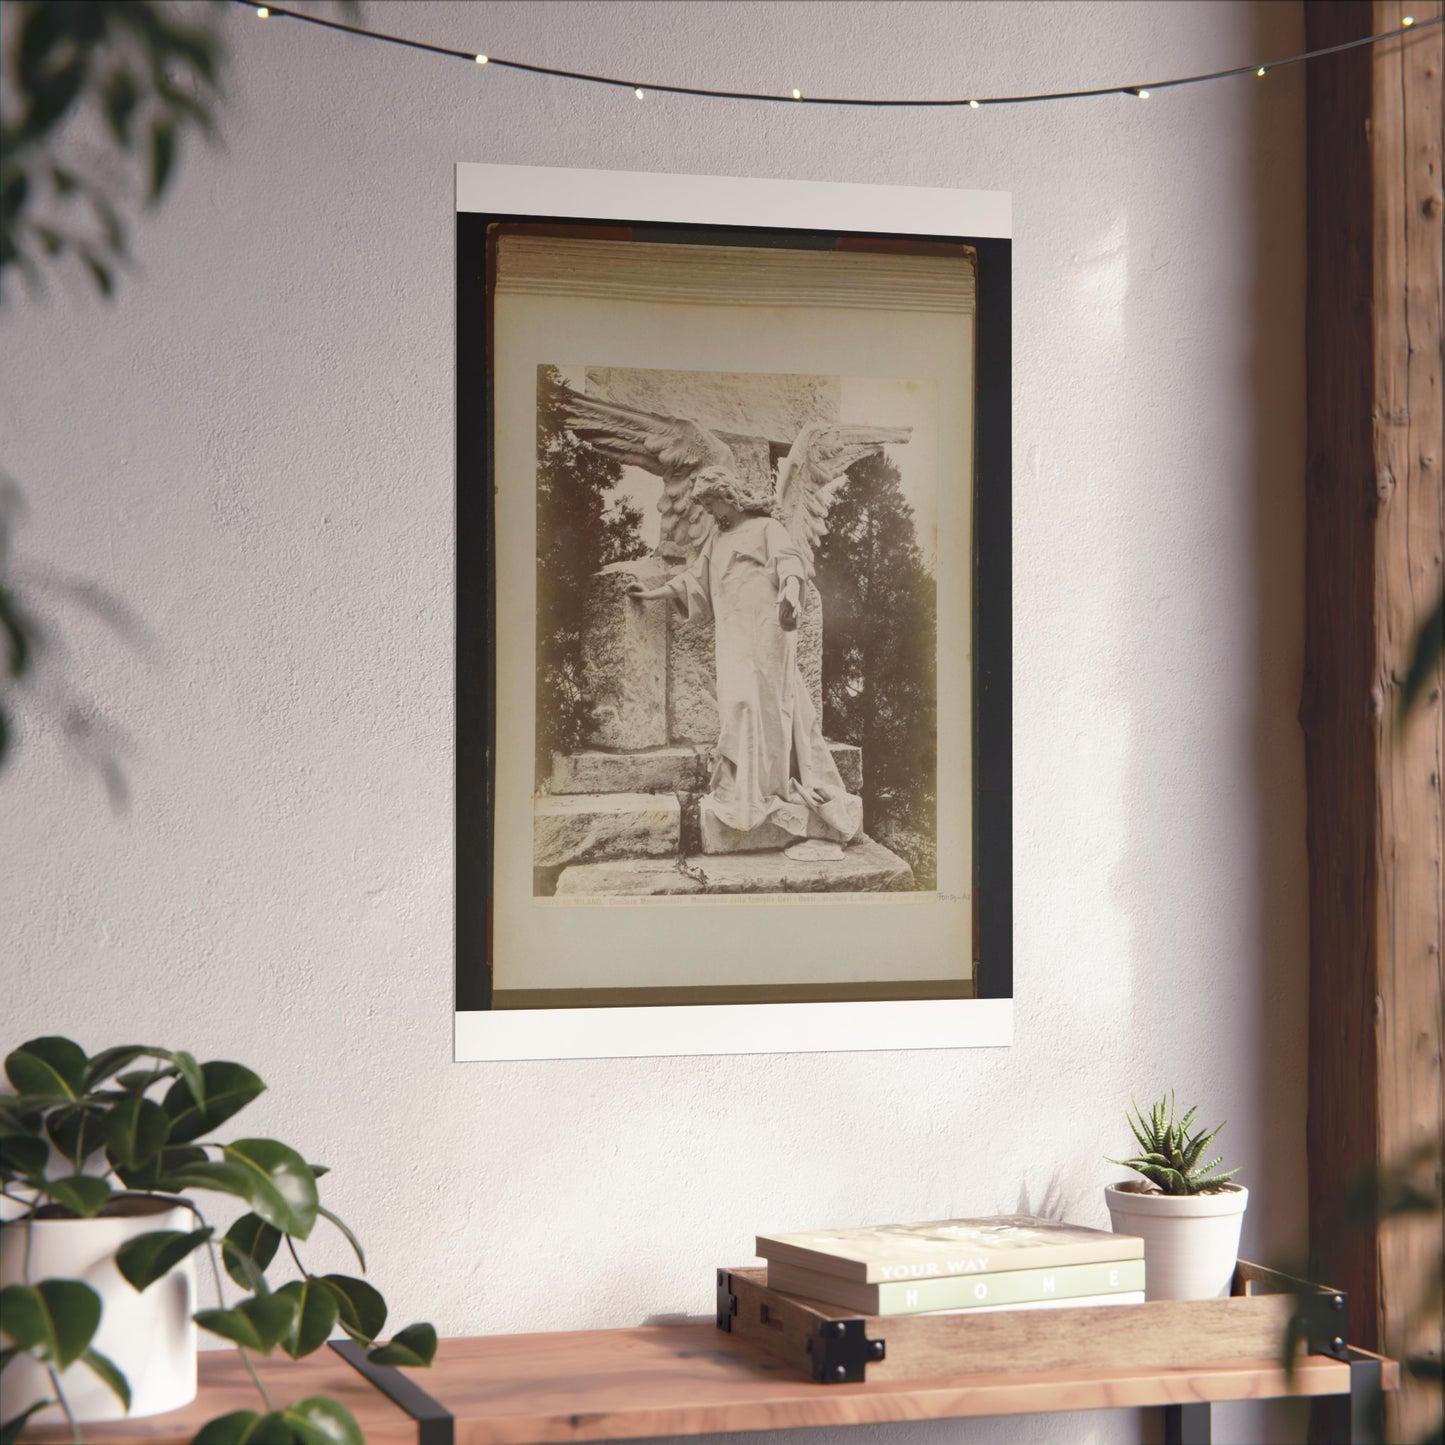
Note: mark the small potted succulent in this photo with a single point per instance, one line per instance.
(1186, 1211)
(101, 1232)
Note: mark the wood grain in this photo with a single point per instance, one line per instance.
(694, 1379)
(1373, 568)
(1156, 1335)
(225, 1386)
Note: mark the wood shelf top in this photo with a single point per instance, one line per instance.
(687, 1379)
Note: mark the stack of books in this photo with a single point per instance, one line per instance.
(1012, 1261)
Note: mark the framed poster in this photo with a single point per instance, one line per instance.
(733, 616)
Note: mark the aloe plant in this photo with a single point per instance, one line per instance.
(81, 1131)
(1171, 1155)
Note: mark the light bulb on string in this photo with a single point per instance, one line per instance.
(1406, 22)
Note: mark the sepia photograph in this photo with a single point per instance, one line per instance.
(736, 634)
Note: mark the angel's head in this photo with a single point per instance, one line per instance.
(722, 493)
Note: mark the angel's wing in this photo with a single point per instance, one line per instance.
(667, 446)
(816, 466)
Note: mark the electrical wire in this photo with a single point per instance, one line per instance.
(642, 88)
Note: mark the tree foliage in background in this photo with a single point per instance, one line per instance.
(880, 636)
(580, 529)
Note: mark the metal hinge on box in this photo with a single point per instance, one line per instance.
(840, 1351)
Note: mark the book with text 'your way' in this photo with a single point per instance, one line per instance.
(939, 1248)
(962, 1292)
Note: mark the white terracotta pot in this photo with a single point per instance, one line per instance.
(150, 1335)
(1191, 1241)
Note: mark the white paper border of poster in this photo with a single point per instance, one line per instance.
(663, 1030)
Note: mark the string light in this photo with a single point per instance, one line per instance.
(704, 92)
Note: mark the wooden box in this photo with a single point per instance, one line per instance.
(836, 1345)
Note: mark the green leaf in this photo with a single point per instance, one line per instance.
(245, 1427)
(249, 1246)
(319, 1421)
(149, 1257)
(10, 1431)
(351, 1239)
(259, 1323)
(106, 1368)
(19, 1117)
(227, 1089)
(111, 1061)
(84, 1194)
(100, 274)
(155, 1174)
(163, 156)
(76, 1131)
(232, 1429)
(21, 1157)
(282, 1187)
(415, 1345)
(206, 1174)
(55, 1320)
(316, 1311)
(361, 1309)
(49, 1065)
(136, 1130)
(121, 97)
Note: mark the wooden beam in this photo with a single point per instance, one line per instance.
(1374, 544)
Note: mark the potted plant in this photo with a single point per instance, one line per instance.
(1187, 1213)
(102, 1231)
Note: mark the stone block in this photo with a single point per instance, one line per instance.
(866, 867)
(849, 762)
(659, 770)
(579, 827)
(691, 682)
(624, 663)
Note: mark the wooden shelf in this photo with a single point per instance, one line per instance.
(691, 1379)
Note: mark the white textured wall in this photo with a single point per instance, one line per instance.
(252, 447)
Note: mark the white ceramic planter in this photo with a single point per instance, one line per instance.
(1191, 1241)
(150, 1336)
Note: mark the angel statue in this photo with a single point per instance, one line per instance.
(773, 781)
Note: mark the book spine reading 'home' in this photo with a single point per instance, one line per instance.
(1014, 1286)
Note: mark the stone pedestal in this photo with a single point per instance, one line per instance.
(865, 867)
(574, 828)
